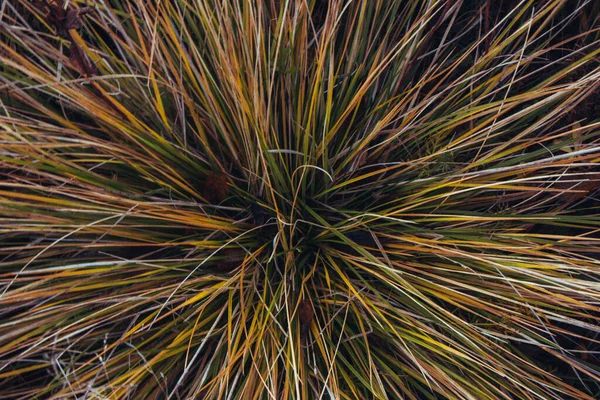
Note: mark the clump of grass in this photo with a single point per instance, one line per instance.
(299, 199)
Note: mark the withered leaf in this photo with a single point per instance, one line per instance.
(215, 188)
(63, 19)
(580, 191)
(305, 313)
(81, 61)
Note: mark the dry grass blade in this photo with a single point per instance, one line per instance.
(300, 199)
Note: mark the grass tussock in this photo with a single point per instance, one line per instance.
(299, 199)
